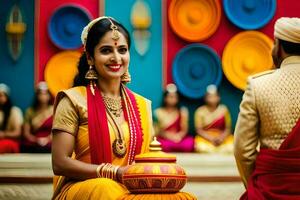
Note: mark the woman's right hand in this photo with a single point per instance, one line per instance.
(120, 172)
(43, 141)
(31, 138)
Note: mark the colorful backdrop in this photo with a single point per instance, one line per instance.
(150, 73)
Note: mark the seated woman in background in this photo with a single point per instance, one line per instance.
(171, 123)
(38, 122)
(213, 125)
(10, 123)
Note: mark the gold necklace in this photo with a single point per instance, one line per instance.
(118, 146)
(114, 105)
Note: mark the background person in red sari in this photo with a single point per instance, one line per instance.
(213, 125)
(38, 122)
(99, 125)
(171, 123)
(11, 120)
(269, 110)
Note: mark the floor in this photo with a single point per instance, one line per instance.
(209, 166)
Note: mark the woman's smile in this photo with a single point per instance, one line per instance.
(114, 67)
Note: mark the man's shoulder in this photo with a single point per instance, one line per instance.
(263, 74)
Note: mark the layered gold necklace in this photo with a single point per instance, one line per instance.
(114, 110)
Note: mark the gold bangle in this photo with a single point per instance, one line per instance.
(110, 172)
(115, 173)
(104, 170)
(98, 169)
(107, 170)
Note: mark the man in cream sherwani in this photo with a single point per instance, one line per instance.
(270, 107)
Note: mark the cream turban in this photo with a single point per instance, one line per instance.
(288, 29)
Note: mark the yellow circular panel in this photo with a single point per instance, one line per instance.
(61, 70)
(247, 53)
(194, 20)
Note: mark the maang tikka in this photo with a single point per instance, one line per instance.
(115, 32)
(126, 78)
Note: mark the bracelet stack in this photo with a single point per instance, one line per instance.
(107, 170)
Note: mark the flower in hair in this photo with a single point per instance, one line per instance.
(87, 28)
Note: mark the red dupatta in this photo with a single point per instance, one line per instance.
(175, 125)
(218, 124)
(45, 128)
(99, 137)
(277, 172)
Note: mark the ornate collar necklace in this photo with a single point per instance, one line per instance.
(114, 105)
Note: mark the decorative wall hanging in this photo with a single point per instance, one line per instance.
(141, 21)
(194, 20)
(15, 29)
(247, 53)
(194, 68)
(66, 24)
(249, 14)
(61, 70)
(43, 46)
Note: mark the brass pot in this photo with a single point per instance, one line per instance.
(154, 172)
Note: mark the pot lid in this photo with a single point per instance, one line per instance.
(155, 154)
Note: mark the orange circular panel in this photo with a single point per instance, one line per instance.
(61, 70)
(247, 53)
(194, 20)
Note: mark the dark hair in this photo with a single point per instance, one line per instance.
(165, 94)
(36, 102)
(96, 32)
(290, 47)
(6, 108)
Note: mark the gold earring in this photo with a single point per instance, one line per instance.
(126, 78)
(91, 74)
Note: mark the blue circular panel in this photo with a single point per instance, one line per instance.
(249, 14)
(194, 68)
(66, 24)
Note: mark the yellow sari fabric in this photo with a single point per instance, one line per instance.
(71, 116)
(204, 118)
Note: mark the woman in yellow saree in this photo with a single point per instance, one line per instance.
(38, 122)
(171, 123)
(213, 125)
(99, 125)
